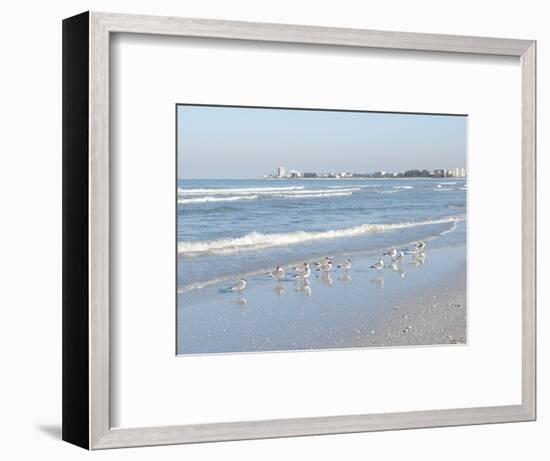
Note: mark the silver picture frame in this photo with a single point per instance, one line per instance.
(86, 229)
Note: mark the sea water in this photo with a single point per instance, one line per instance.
(228, 229)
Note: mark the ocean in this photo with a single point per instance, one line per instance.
(233, 229)
(228, 229)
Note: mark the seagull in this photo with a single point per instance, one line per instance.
(302, 268)
(324, 261)
(415, 251)
(378, 266)
(346, 265)
(399, 257)
(421, 245)
(392, 253)
(278, 273)
(326, 267)
(239, 286)
(303, 273)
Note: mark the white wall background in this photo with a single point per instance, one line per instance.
(30, 234)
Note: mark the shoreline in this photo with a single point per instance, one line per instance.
(416, 304)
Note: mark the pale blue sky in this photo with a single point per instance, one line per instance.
(228, 142)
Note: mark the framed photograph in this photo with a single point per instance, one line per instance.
(275, 230)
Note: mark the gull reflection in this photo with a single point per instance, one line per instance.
(378, 281)
(397, 268)
(302, 286)
(240, 301)
(418, 259)
(279, 289)
(326, 278)
(346, 278)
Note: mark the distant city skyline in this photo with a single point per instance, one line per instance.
(230, 142)
(456, 172)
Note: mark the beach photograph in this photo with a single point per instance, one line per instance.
(315, 229)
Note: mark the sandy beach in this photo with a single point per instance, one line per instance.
(418, 302)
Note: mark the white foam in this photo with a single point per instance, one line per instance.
(237, 191)
(259, 241)
(355, 186)
(325, 194)
(319, 191)
(443, 188)
(403, 187)
(387, 191)
(451, 229)
(186, 201)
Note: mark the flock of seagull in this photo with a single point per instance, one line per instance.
(302, 273)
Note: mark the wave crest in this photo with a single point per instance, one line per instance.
(237, 191)
(259, 241)
(324, 194)
(186, 201)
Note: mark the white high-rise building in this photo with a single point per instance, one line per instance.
(281, 172)
(457, 173)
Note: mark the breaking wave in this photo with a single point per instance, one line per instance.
(323, 194)
(258, 241)
(245, 191)
(185, 201)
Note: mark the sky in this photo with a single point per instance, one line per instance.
(231, 142)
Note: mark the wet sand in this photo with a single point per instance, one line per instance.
(432, 317)
(419, 302)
